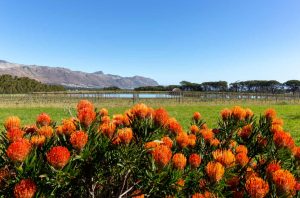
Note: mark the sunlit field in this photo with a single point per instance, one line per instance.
(210, 111)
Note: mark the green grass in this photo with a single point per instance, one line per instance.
(182, 112)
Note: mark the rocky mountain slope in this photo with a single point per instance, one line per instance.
(67, 77)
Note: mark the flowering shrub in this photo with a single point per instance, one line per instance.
(146, 153)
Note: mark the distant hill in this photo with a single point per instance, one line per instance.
(69, 78)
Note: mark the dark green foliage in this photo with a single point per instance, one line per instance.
(15, 85)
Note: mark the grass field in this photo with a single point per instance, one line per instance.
(290, 113)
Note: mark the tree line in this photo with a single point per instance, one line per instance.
(262, 86)
(12, 85)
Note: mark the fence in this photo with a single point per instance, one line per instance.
(130, 97)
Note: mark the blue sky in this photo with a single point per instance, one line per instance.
(167, 40)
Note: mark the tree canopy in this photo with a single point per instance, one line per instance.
(12, 85)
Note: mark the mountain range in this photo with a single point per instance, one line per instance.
(69, 78)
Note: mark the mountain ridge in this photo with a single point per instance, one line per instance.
(67, 77)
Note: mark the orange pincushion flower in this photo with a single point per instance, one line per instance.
(179, 161)
(58, 156)
(79, 139)
(276, 128)
(245, 131)
(296, 152)
(183, 140)
(249, 113)
(271, 168)
(241, 149)
(118, 119)
(103, 112)
(226, 113)
(197, 116)
(85, 104)
(162, 155)
(47, 131)
(242, 159)
(43, 119)
(86, 116)
(180, 183)
(277, 121)
(126, 119)
(12, 122)
(167, 141)
(173, 126)
(14, 134)
(161, 117)
(214, 142)
(140, 111)
(194, 160)
(37, 140)
(105, 119)
(192, 140)
(270, 113)
(285, 182)
(238, 112)
(215, 171)
(26, 188)
(125, 135)
(225, 157)
(207, 134)
(151, 145)
(283, 140)
(108, 129)
(194, 129)
(18, 150)
(68, 126)
(257, 187)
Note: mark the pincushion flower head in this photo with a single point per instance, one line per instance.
(167, 141)
(37, 140)
(79, 139)
(141, 111)
(12, 122)
(18, 150)
(108, 129)
(68, 126)
(225, 157)
(46, 131)
(183, 140)
(161, 117)
(173, 126)
(256, 187)
(225, 113)
(285, 182)
(270, 114)
(26, 188)
(215, 171)
(272, 168)
(197, 116)
(179, 161)
(162, 155)
(86, 116)
(58, 156)
(14, 134)
(43, 119)
(125, 135)
(194, 129)
(238, 113)
(103, 112)
(195, 160)
(85, 104)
